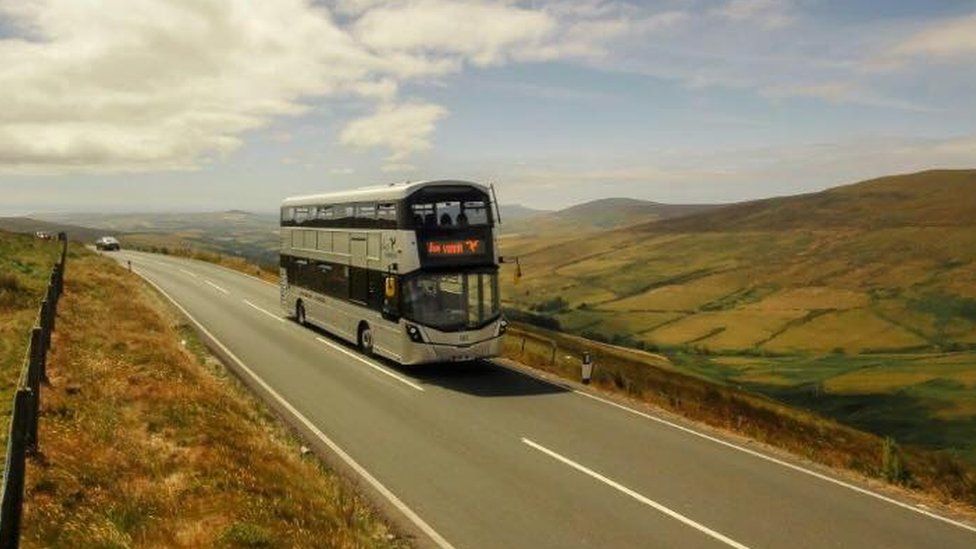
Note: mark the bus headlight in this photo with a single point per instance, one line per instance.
(414, 333)
(502, 327)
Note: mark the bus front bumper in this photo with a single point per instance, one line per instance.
(418, 353)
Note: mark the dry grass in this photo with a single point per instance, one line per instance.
(724, 330)
(852, 331)
(146, 443)
(677, 297)
(812, 297)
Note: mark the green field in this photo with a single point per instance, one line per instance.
(858, 302)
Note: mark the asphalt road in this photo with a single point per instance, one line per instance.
(485, 456)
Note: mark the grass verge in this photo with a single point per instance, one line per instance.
(147, 441)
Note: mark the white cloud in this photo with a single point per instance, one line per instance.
(398, 168)
(952, 38)
(144, 85)
(402, 128)
(767, 13)
(485, 33)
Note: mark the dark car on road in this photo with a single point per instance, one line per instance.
(108, 244)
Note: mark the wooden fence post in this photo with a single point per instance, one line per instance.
(37, 338)
(45, 320)
(11, 503)
(35, 369)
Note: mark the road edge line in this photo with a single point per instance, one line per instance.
(636, 495)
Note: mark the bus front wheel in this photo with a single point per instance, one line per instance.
(365, 339)
(300, 313)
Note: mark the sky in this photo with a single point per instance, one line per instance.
(195, 105)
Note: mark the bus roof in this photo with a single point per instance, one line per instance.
(378, 193)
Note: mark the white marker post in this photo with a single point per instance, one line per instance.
(586, 369)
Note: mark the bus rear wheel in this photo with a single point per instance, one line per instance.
(365, 339)
(300, 313)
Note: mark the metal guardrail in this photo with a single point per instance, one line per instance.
(26, 407)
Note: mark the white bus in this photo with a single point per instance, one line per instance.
(405, 271)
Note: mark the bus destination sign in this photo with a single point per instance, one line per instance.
(455, 248)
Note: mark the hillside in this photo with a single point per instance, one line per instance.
(512, 212)
(605, 213)
(859, 301)
(30, 225)
(935, 198)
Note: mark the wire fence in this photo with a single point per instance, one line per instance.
(27, 403)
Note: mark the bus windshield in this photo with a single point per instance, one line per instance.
(451, 301)
(451, 213)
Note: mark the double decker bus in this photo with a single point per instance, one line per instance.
(406, 271)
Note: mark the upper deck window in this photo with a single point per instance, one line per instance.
(366, 211)
(386, 214)
(324, 213)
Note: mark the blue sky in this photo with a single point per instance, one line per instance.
(139, 105)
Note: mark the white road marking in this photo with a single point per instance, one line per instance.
(184, 271)
(787, 464)
(353, 464)
(265, 311)
(371, 364)
(217, 287)
(639, 497)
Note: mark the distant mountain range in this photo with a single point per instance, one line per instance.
(604, 213)
(31, 225)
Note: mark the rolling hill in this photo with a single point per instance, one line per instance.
(233, 232)
(31, 225)
(605, 213)
(858, 301)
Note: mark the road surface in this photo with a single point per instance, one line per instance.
(484, 456)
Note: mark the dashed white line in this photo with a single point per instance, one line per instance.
(369, 363)
(265, 311)
(186, 272)
(217, 287)
(787, 464)
(353, 464)
(639, 497)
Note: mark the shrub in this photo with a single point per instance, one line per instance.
(244, 534)
(553, 305)
(12, 291)
(891, 466)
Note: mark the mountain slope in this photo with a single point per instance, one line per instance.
(605, 213)
(925, 199)
(858, 302)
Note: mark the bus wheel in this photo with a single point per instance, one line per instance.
(365, 339)
(300, 313)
